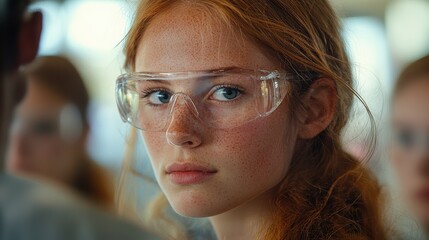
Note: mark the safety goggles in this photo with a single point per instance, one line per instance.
(220, 99)
(65, 123)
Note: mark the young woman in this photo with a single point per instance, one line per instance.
(410, 148)
(241, 105)
(49, 131)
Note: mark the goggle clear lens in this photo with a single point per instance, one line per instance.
(219, 99)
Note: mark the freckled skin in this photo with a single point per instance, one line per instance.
(410, 108)
(250, 159)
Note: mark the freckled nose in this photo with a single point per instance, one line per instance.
(184, 128)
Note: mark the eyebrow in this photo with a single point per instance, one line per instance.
(227, 68)
(201, 78)
(159, 81)
(169, 83)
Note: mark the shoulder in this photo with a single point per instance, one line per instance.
(31, 210)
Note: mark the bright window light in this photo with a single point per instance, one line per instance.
(407, 24)
(95, 26)
(54, 30)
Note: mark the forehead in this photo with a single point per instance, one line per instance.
(38, 97)
(186, 38)
(411, 105)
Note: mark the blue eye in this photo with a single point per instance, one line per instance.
(406, 138)
(226, 93)
(159, 97)
(44, 127)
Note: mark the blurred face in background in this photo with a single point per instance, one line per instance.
(410, 147)
(37, 144)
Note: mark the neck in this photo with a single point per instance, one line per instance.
(245, 221)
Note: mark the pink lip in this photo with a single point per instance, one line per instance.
(187, 173)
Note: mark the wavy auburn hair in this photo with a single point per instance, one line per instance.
(413, 72)
(327, 194)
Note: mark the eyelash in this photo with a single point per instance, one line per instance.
(228, 86)
(240, 90)
(145, 93)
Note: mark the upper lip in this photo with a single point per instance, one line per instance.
(189, 167)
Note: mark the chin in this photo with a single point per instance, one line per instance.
(191, 212)
(195, 205)
(421, 213)
(191, 206)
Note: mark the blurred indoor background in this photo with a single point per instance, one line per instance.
(382, 36)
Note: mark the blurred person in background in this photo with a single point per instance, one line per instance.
(49, 130)
(37, 210)
(410, 141)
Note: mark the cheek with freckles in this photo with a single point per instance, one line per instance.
(255, 155)
(406, 170)
(409, 175)
(156, 147)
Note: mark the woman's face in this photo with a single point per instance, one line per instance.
(410, 156)
(35, 146)
(209, 171)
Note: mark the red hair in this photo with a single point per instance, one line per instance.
(413, 72)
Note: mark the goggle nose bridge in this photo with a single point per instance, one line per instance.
(186, 100)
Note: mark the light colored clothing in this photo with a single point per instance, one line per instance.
(30, 210)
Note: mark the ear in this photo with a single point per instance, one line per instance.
(319, 108)
(29, 37)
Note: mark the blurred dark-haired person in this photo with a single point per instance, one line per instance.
(29, 209)
(410, 140)
(49, 131)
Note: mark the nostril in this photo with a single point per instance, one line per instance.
(180, 139)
